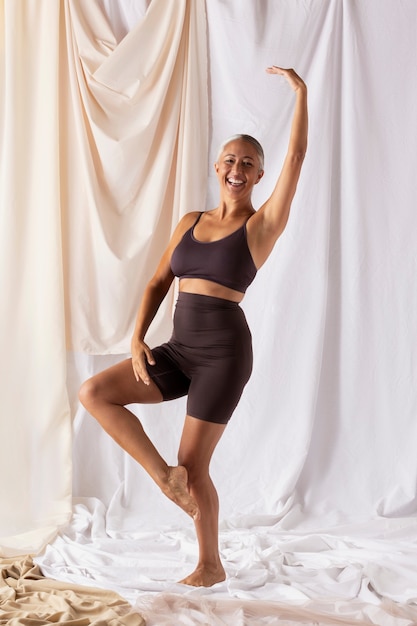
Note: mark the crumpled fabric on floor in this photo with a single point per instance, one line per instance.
(27, 597)
(166, 610)
(357, 573)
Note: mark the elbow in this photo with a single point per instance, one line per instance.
(295, 161)
(159, 286)
(296, 157)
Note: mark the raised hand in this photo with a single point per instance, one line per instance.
(289, 74)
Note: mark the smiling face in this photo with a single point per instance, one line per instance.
(238, 168)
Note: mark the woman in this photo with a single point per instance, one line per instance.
(209, 356)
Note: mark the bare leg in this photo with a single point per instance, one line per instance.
(104, 397)
(198, 442)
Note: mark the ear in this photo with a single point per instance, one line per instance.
(260, 174)
(216, 167)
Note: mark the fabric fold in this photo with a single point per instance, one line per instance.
(139, 113)
(27, 597)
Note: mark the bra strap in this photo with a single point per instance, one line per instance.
(198, 219)
(196, 222)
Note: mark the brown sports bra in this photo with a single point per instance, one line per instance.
(226, 261)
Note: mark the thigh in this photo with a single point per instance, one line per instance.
(198, 442)
(216, 388)
(118, 385)
(167, 372)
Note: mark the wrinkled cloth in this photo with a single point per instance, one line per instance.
(169, 609)
(27, 597)
(363, 573)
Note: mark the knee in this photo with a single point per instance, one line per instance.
(89, 393)
(197, 473)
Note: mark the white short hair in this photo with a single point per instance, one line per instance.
(249, 139)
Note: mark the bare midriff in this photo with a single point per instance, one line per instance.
(209, 288)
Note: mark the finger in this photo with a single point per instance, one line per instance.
(145, 378)
(149, 356)
(136, 375)
(141, 374)
(274, 69)
(139, 369)
(136, 370)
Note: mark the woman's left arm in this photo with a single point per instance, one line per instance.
(271, 219)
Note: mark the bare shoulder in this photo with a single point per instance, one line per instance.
(183, 225)
(188, 219)
(164, 267)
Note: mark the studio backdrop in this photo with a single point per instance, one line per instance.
(111, 117)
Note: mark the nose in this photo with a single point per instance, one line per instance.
(237, 167)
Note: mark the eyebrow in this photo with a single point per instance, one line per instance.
(244, 157)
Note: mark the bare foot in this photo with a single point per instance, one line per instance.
(205, 576)
(176, 489)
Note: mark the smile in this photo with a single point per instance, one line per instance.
(235, 182)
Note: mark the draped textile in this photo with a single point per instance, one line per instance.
(317, 470)
(99, 160)
(35, 426)
(27, 597)
(332, 312)
(135, 124)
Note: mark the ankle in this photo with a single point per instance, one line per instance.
(211, 565)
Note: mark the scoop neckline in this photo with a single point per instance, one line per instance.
(216, 240)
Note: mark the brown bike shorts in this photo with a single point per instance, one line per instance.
(208, 358)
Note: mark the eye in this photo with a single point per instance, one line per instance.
(229, 160)
(247, 163)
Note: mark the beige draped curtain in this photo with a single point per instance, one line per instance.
(103, 148)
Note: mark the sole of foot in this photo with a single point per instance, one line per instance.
(176, 489)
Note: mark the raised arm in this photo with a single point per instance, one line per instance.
(267, 224)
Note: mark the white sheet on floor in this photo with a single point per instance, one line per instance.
(289, 568)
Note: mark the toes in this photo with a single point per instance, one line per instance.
(204, 577)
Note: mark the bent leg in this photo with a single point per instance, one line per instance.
(105, 396)
(198, 442)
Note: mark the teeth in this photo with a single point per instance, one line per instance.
(235, 181)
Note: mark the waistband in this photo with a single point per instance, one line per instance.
(203, 301)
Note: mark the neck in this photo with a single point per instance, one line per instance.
(234, 208)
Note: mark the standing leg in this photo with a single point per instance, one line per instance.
(198, 442)
(105, 396)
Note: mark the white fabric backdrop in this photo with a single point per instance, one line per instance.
(331, 400)
(317, 470)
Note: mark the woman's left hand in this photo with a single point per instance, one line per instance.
(291, 76)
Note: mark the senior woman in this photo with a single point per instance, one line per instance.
(215, 255)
